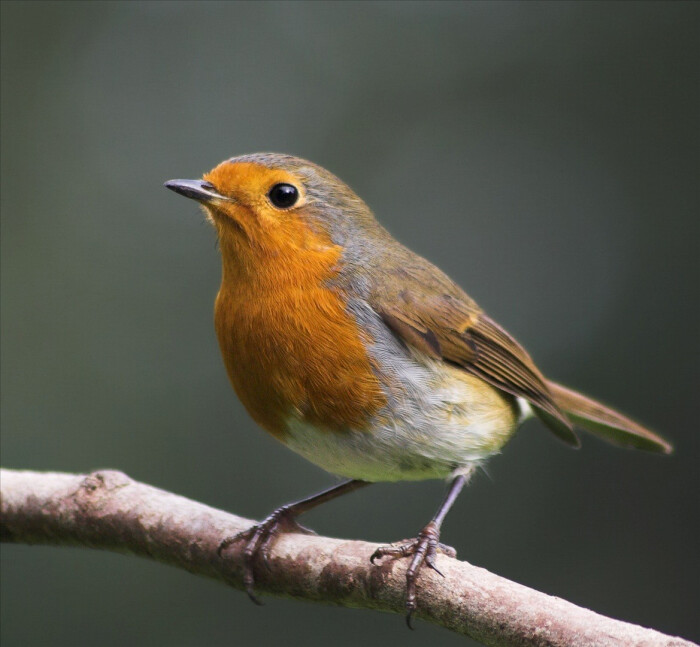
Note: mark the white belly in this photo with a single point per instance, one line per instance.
(441, 422)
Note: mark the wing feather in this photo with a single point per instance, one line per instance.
(457, 331)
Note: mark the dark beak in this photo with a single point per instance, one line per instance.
(196, 189)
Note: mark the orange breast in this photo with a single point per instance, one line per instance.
(289, 346)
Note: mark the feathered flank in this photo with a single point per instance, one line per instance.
(606, 423)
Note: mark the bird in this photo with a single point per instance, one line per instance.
(362, 356)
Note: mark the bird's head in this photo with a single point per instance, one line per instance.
(269, 204)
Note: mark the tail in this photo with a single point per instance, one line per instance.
(606, 423)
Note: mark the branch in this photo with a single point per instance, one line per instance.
(108, 510)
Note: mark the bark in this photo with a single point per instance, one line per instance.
(108, 510)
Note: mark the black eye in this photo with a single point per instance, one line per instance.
(283, 196)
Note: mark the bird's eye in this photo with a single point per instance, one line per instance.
(283, 196)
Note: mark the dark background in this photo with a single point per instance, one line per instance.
(544, 155)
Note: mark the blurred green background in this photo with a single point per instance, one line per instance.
(545, 155)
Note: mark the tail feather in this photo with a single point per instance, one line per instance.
(606, 423)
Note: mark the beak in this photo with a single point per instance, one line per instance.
(196, 189)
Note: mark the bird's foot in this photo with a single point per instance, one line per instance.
(259, 539)
(423, 548)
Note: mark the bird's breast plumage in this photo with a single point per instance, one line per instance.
(291, 348)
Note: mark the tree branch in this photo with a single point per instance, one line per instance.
(108, 510)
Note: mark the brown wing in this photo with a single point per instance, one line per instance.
(453, 328)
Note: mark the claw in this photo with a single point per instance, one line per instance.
(430, 562)
(247, 534)
(254, 598)
(409, 621)
(228, 541)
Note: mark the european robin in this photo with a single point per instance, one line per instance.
(362, 356)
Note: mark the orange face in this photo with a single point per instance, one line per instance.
(249, 189)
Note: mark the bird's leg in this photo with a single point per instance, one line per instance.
(259, 537)
(423, 548)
